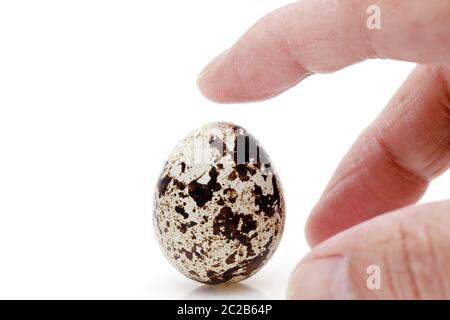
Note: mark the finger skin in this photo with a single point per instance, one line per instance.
(393, 160)
(323, 36)
(411, 248)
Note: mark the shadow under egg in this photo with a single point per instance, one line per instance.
(229, 291)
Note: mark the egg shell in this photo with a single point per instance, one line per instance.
(219, 208)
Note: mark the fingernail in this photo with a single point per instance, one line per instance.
(211, 66)
(325, 278)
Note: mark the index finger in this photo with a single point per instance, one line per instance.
(314, 36)
(393, 161)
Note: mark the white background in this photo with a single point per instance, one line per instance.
(94, 95)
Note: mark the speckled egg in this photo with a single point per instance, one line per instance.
(219, 207)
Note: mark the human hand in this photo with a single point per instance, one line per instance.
(391, 164)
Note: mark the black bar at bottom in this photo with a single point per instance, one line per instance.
(216, 309)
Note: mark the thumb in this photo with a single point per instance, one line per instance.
(401, 255)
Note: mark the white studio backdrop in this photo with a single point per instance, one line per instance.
(94, 95)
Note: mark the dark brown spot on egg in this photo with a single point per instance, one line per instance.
(232, 176)
(245, 268)
(214, 278)
(162, 184)
(241, 169)
(252, 169)
(202, 193)
(184, 226)
(255, 263)
(268, 204)
(179, 184)
(188, 255)
(248, 225)
(235, 226)
(194, 273)
(181, 211)
(231, 258)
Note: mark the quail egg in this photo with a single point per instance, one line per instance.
(219, 207)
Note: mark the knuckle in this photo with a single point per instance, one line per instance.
(407, 174)
(418, 270)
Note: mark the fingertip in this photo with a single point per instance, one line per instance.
(322, 278)
(318, 227)
(207, 80)
(310, 233)
(233, 78)
(259, 66)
